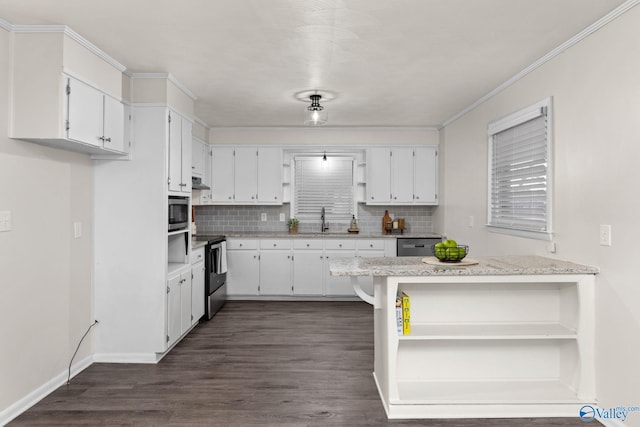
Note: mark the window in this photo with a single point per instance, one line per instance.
(323, 184)
(520, 171)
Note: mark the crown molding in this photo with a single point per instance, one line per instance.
(615, 13)
(72, 35)
(5, 25)
(320, 128)
(201, 123)
(167, 76)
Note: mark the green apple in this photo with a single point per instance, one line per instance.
(450, 243)
(453, 254)
(439, 245)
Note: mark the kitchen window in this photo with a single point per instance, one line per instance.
(327, 184)
(519, 199)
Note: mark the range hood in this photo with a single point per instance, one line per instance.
(196, 184)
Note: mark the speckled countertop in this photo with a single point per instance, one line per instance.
(329, 235)
(487, 266)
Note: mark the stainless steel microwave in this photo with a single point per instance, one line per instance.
(178, 213)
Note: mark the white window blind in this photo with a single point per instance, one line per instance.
(328, 186)
(519, 184)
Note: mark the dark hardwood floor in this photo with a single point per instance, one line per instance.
(255, 364)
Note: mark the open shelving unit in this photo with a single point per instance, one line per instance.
(486, 346)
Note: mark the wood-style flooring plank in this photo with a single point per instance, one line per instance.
(285, 364)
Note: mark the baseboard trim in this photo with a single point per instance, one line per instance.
(125, 358)
(43, 391)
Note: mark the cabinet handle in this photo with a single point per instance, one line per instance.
(371, 245)
(275, 197)
(417, 197)
(101, 138)
(107, 139)
(307, 245)
(340, 245)
(395, 198)
(240, 244)
(321, 256)
(371, 197)
(274, 245)
(229, 197)
(252, 197)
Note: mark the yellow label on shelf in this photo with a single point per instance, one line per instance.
(406, 314)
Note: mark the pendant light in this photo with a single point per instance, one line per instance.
(315, 114)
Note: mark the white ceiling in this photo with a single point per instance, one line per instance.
(387, 62)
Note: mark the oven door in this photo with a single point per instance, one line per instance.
(216, 277)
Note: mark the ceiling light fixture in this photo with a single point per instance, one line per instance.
(315, 114)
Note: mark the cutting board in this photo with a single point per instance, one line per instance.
(431, 260)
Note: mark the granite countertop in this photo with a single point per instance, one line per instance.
(328, 235)
(487, 266)
(195, 243)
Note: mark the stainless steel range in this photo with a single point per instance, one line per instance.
(216, 274)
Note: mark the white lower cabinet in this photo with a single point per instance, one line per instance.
(243, 267)
(197, 285)
(297, 267)
(308, 267)
(178, 304)
(276, 267)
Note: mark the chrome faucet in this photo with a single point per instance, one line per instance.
(324, 226)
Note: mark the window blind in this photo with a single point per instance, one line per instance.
(519, 176)
(329, 186)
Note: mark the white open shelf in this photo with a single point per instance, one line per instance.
(486, 346)
(488, 331)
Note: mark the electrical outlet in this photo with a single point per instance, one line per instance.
(281, 216)
(551, 247)
(263, 216)
(471, 221)
(605, 235)
(5, 221)
(77, 230)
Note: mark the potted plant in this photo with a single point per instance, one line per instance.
(293, 225)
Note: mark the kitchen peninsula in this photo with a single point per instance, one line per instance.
(510, 336)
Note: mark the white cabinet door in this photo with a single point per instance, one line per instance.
(275, 272)
(270, 175)
(197, 292)
(173, 309)
(308, 272)
(179, 158)
(185, 156)
(378, 176)
(174, 159)
(246, 175)
(426, 175)
(243, 272)
(337, 285)
(113, 130)
(185, 302)
(222, 174)
(198, 158)
(84, 113)
(402, 175)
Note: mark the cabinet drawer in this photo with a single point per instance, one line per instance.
(366, 244)
(275, 244)
(308, 244)
(236, 244)
(332, 244)
(197, 255)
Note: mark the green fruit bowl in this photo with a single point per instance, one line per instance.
(450, 254)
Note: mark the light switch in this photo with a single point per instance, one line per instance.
(5, 220)
(605, 235)
(263, 216)
(281, 216)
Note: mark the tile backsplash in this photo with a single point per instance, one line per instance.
(226, 219)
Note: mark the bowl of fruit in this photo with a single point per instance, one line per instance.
(450, 251)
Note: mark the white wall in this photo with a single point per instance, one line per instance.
(596, 93)
(45, 274)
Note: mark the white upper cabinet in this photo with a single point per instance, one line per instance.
(269, 175)
(426, 175)
(402, 176)
(179, 158)
(378, 176)
(199, 156)
(78, 109)
(221, 174)
(246, 175)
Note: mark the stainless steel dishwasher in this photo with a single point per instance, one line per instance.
(416, 246)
